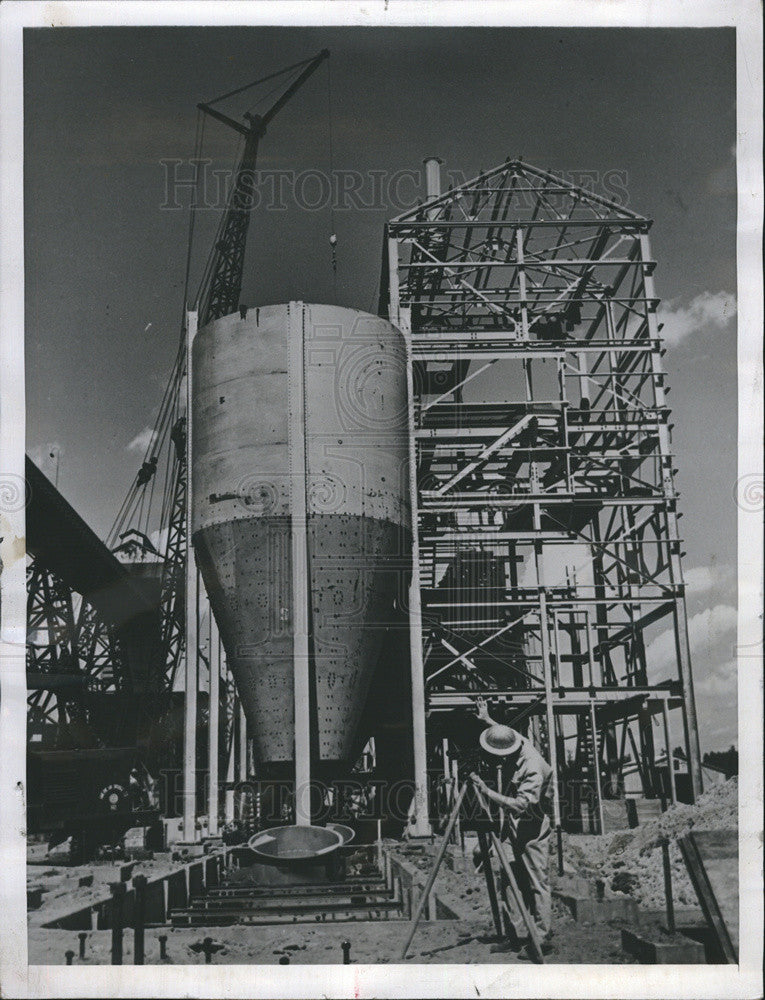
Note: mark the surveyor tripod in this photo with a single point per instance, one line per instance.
(486, 837)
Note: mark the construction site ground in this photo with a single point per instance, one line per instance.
(443, 941)
(628, 862)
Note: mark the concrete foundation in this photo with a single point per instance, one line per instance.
(585, 909)
(675, 950)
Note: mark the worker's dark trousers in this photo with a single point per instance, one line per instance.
(531, 870)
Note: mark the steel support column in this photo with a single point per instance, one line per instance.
(213, 806)
(300, 569)
(681, 624)
(242, 756)
(421, 826)
(192, 620)
(230, 736)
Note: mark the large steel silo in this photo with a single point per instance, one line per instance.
(310, 398)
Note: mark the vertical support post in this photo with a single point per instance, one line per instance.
(547, 669)
(402, 320)
(421, 826)
(668, 747)
(556, 657)
(231, 744)
(192, 615)
(550, 714)
(584, 392)
(455, 786)
(596, 767)
(501, 790)
(117, 890)
(447, 774)
(139, 918)
(589, 628)
(681, 624)
(242, 776)
(422, 819)
(300, 572)
(522, 284)
(213, 807)
(668, 899)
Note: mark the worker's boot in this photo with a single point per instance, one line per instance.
(512, 944)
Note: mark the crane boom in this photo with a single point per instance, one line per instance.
(225, 285)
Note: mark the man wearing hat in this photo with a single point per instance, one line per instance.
(527, 777)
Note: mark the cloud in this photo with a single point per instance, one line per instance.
(707, 311)
(704, 630)
(711, 624)
(711, 634)
(141, 441)
(701, 579)
(721, 682)
(158, 539)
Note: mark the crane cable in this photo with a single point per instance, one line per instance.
(134, 506)
(198, 143)
(263, 79)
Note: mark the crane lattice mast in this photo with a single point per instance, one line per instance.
(225, 285)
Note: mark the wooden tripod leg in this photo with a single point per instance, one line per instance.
(490, 885)
(434, 873)
(536, 945)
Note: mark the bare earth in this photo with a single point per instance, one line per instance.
(629, 861)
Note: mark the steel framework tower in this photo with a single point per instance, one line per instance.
(546, 551)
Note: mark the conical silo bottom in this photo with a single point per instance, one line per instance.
(355, 566)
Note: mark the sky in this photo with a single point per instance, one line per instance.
(110, 114)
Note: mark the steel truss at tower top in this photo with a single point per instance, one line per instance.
(547, 550)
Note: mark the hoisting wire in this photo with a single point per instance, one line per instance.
(167, 496)
(263, 79)
(132, 506)
(198, 141)
(153, 448)
(269, 93)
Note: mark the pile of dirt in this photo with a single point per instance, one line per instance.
(631, 860)
(716, 809)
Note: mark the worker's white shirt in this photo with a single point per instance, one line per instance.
(527, 777)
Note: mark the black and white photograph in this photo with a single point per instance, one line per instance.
(381, 500)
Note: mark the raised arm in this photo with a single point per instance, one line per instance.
(482, 711)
